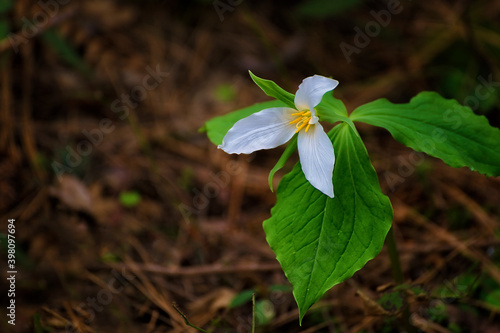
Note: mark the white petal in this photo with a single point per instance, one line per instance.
(265, 129)
(317, 158)
(311, 91)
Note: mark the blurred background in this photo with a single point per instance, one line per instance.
(127, 219)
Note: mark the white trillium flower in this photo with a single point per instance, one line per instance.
(273, 127)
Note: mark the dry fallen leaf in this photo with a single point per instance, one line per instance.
(73, 193)
(205, 308)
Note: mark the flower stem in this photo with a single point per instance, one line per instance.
(392, 248)
(397, 273)
(253, 313)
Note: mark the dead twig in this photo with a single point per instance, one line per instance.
(198, 270)
(441, 233)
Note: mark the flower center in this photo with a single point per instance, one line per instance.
(303, 119)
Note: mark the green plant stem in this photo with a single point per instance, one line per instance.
(397, 273)
(392, 248)
(186, 321)
(253, 313)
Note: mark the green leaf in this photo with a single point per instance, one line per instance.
(264, 312)
(437, 312)
(273, 90)
(65, 50)
(130, 198)
(391, 301)
(4, 29)
(217, 127)
(5, 6)
(290, 148)
(330, 107)
(241, 298)
(332, 110)
(439, 127)
(320, 241)
(109, 257)
(224, 93)
(493, 298)
(37, 323)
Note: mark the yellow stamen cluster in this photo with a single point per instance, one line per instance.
(303, 119)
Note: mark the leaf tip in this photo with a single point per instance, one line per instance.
(253, 76)
(203, 128)
(302, 313)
